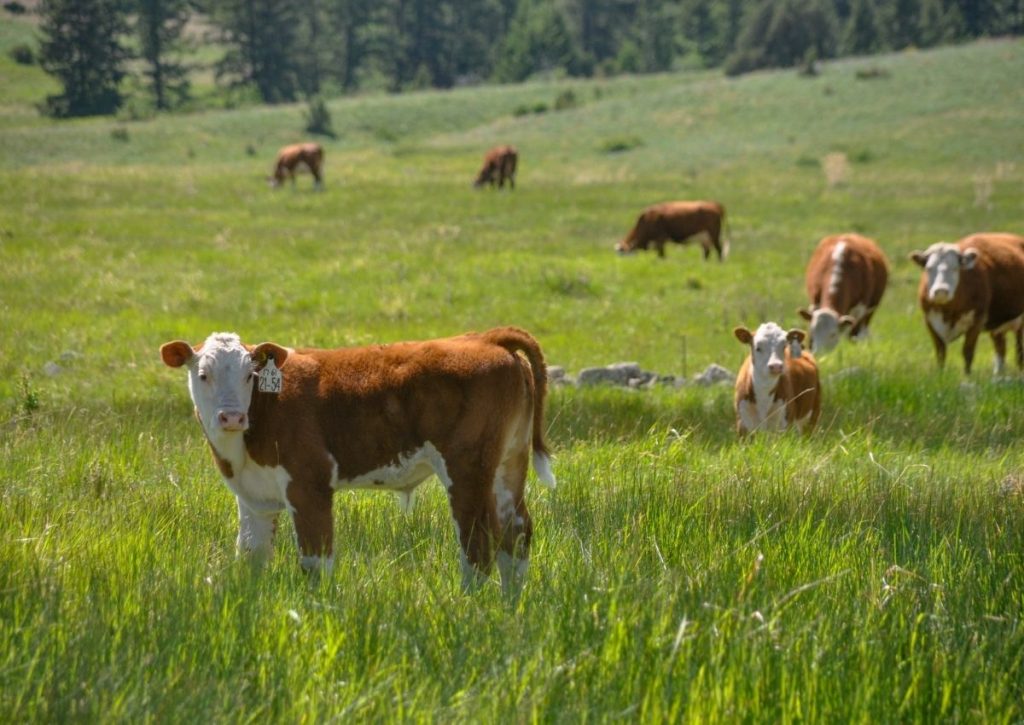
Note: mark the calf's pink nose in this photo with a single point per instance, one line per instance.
(775, 368)
(230, 420)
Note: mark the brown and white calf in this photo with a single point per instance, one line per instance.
(289, 427)
(777, 386)
(677, 221)
(291, 157)
(499, 166)
(846, 277)
(972, 286)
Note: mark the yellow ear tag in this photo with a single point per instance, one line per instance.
(270, 378)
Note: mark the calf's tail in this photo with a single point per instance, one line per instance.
(516, 340)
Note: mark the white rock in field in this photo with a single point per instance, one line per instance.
(616, 374)
(714, 373)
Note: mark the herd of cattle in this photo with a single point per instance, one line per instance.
(290, 427)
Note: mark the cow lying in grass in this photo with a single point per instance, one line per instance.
(777, 386)
(289, 427)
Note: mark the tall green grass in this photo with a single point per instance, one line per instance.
(869, 572)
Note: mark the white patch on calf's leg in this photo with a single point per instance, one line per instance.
(255, 533)
(512, 570)
(317, 564)
(542, 467)
(406, 500)
(472, 577)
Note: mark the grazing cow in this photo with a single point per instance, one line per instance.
(976, 284)
(499, 167)
(288, 158)
(777, 386)
(289, 427)
(846, 278)
(677, 221)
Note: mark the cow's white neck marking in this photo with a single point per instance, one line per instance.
(261, 488)
(837, 269)
(766, 412)
(947, 332)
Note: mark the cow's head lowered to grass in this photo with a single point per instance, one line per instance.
(942, 263)
(826, 327)
(221, 375)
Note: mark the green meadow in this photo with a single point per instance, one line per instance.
(872, 572)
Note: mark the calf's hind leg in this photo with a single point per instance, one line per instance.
(476, 520)
(513, 520)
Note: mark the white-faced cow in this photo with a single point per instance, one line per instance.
(677, 221)
(846, 278)
(974, 285)
(291, 157)
(289, 427)
(499, 166)
(777, 386)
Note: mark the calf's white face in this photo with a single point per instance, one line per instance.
(768, 347)
(221, 373)
(220, 380)
(942, 263)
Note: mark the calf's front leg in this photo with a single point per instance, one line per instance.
(255, 534)
(314, 526)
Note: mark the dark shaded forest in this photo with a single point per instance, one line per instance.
(286, 50)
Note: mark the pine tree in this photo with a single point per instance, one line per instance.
(860, 35)
(159, 24)
(897, 21)
(261, 36)
(81, 46)
(538, 40)
(780, 33)
(312, 49)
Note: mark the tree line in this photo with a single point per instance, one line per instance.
(286, 50)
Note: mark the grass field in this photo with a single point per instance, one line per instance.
(872, 572)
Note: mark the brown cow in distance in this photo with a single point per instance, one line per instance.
(290, 427)
(677, 221)
(499, 166)
(290, 157)
(846, 277)
(972, 286)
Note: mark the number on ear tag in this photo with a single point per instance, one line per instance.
(270, 378)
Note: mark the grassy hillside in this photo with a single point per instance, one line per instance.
(872, 571)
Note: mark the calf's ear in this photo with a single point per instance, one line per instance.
(794, 337)
(846, 321)
(177, 353)
(743, 335)
(267, 350)
(918, 258)
(805, 313)
(968, 258)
